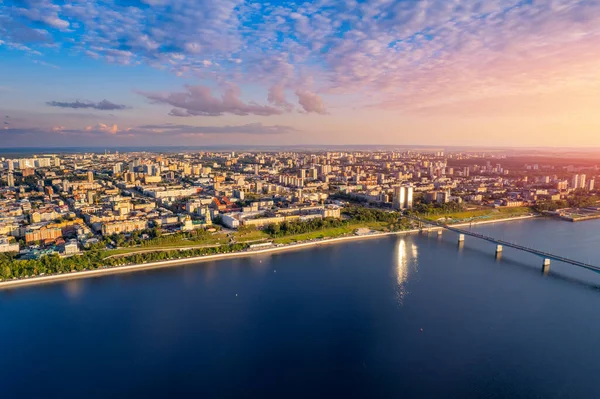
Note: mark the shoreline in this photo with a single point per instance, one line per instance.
(206, 258)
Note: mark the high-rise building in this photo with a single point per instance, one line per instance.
(578, 181)
(117, 168)
(591, 184)
(403, 197)
(11, 180)
(90, 176)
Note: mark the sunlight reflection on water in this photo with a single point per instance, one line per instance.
(406, 263)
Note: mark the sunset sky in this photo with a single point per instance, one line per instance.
(207, 72)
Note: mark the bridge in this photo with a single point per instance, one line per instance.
(500, 244)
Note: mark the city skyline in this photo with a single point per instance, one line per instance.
(175, 72)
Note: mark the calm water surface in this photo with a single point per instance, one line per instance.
(413, 316)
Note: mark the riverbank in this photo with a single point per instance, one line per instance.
(178, 262)
(481, 222)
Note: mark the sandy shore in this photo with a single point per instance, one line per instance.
(207, 258)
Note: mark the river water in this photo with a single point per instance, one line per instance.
(406, 316)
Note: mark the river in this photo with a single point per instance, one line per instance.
(405, 316)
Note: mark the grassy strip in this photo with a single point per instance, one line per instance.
(241, 237)
(330, 233)
(250, 235)
(187, 243)
(484, 214)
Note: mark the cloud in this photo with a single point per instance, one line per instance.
(277, 97)
(248, 129)
(101, 134)
(103, 128)
(103, 105)
(199, 101)
(46, 64)
(311, 102)
(393, 54)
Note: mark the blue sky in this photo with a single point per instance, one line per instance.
(497, 72)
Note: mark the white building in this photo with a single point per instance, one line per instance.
(403, 197)
(578, 181)
(71, 247)
(230, 221)
(6, 246)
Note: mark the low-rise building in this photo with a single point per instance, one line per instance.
(123, 226)
(7, 246)
(42, 233)
(71, 247)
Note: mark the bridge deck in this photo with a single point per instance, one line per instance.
(510, 245)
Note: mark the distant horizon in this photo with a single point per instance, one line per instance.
(332, 147)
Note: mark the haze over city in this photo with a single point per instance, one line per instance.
(176, 72)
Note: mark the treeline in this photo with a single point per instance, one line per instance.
(353, 215)
(300, 227)
(361, 214)
(150, 237)
(550, 205)
(54, 264)
(174, 254)
(437, 209)
(50, 264)
(579, 199)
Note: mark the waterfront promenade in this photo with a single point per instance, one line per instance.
(178, 262)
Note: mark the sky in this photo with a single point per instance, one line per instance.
(390, 72)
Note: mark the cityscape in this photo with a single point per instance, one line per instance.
(118, 205)
(299, 199)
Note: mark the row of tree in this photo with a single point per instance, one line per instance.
(579, 199)
(352, 214)
(150, 238)
(361, 214)
(300, 227)
(10, 267)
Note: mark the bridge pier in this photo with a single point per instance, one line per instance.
(546, 266)
(498, 251)
(461, 238)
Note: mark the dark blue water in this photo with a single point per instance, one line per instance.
(412, 316)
